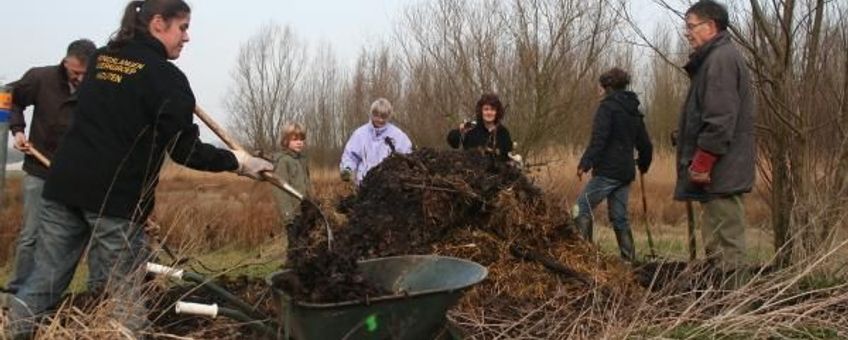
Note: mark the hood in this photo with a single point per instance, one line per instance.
(628, 100)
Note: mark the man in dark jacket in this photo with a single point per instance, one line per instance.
(715, 149)
(617, 130)
(51, 91)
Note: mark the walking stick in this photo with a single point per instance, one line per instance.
(645, 215)
(693, 251)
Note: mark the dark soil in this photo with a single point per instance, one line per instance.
(403, 206)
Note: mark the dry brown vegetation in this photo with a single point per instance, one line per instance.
(808, 300)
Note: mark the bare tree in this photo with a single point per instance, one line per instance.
(321, 97)
(540, 56)
(375, 75)
(266, 77)
(666, 88)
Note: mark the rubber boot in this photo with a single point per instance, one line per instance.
(584, 225)
(625, 244)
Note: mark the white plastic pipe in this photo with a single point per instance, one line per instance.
(159, 269)
(192, 308)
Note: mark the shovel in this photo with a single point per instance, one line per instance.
(267, 175)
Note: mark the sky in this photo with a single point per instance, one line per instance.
(36, 33)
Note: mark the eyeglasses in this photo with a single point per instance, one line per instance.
(691, 27)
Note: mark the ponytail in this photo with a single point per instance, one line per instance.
(139, 13)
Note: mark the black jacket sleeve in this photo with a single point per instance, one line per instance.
(23, 95)
(504, 141)
(600, 134)
(644, 148)
(174, 125)
(455, 138)
(191, 152)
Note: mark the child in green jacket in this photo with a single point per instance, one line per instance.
(292, 167)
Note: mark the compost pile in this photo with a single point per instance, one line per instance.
(464, 204)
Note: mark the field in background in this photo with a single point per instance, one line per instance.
(203, 213)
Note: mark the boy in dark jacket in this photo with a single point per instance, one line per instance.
(617, 130)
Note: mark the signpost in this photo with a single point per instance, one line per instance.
(5, 110)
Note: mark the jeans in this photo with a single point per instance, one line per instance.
(615, 192)
(25, 249)
(117, 250)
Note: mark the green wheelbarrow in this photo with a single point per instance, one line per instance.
(424, 288)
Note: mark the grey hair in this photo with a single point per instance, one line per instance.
(381, 107)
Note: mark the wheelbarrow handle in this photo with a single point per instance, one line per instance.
(268, 328)
(200, 309)
(158, 269)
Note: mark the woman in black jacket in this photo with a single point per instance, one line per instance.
(486, 131)
(135, 108)
(617, 130)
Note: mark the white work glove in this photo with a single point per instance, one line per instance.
(251, 166)
(516, 160)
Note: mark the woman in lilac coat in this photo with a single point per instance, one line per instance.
(373, 142)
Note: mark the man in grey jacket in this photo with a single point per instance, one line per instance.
(715, 150)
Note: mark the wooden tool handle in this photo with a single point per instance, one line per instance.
(217, 129)
(39, 156)
(233, 145)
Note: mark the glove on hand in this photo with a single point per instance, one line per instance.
(347, 174)
(251, 166)
(702, 165)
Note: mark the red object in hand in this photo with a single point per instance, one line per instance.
(703, 161)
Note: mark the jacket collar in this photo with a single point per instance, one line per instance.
(377, 132)
(63, 72)
(295, 155)
(63, 77)
(154, 44)
(696, 59)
